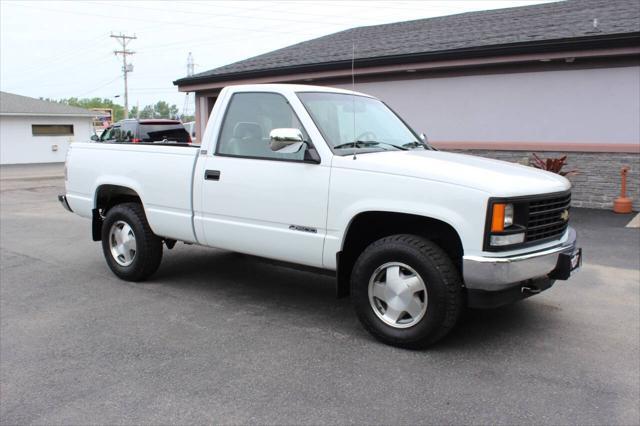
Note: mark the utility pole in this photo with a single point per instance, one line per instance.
(186, 109)
(190, 65)
(126, 68)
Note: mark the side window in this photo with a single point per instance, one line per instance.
(117, 134)
(127, 132)
(109, 135)
(249, 119)
(127, 136)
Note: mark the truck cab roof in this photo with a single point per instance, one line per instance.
(280, 88)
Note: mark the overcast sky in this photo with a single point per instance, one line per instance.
(62, 49)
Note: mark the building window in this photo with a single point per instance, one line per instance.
(52, 129)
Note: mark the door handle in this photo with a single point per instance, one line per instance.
(212, 174)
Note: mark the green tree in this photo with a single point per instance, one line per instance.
(88, 103)
(163, 110)
(147, 112)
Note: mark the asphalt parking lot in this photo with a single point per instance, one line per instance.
(218, 337)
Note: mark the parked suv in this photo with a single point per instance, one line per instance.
(191, 128)
(145, 131)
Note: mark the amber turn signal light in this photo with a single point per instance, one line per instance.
(497, 218)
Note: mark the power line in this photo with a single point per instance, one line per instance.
(148, 91)
(126, 69)
(188, 24)
(106, 83)
(56, 69)
(62, 59)
(231, 15)
(59, 63)
(228, 41)
(288, 11)
(99, 87)
(241, 39)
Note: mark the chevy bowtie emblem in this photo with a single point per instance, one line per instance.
(564, 215)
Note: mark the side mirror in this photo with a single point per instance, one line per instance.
(95, 138)
(426, 143)
(286, 141)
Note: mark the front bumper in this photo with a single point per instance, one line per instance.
(502, 273)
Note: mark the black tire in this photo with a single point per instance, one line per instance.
(437, 271)
(148, 252)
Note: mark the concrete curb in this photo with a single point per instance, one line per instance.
(32, 178)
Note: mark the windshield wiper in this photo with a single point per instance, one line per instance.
(417, 144)
(414, 144)
(365, 144)
(356, 144)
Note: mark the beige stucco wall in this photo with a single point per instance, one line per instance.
(600, 105)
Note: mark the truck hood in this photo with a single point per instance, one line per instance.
(498, 178)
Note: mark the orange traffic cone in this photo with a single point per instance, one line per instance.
(622, 204)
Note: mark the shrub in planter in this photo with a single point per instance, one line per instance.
(554, 165)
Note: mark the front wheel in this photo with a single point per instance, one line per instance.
(406, 291)
(132, 251)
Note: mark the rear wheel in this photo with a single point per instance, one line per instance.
(406, 291)
(132, 251)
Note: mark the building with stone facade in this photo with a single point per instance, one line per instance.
(560, 78)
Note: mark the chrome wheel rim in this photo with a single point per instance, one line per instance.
(122, 241)
(398, 295)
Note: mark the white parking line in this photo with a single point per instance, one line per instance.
(635, 222)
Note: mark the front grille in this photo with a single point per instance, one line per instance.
(546, 219)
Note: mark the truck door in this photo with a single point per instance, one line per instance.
(258, 201)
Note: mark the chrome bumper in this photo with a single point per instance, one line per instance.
(65, 204)
(499, 273)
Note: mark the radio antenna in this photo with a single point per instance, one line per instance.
(353, 97)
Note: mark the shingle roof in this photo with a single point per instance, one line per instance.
(16, 104)
(517, 26)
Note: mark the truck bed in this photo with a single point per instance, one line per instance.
(161, 174)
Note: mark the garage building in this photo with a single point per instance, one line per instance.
(555, 78)
(37, 131)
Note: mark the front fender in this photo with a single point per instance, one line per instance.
(354, 192)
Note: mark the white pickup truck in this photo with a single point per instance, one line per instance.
(334, 180)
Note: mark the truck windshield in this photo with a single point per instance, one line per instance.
(352, 122)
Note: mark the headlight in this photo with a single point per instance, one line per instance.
(508, 215)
